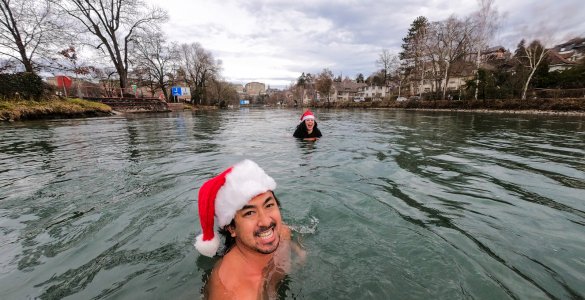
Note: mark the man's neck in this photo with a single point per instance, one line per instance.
(255, 261)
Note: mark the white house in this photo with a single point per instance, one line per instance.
(374, 92)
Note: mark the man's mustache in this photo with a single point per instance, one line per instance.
(265, 228)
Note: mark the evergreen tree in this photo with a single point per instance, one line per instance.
(412, 47)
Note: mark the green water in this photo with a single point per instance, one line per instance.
(390, 204)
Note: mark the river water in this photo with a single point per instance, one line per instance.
(389, 204)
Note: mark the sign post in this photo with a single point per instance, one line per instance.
(176, 91)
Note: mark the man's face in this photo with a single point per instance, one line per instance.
(257, 224)
(310, 123)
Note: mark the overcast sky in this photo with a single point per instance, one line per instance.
(275, 41)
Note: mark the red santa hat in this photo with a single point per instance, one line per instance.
(223, 195)
(307, 115)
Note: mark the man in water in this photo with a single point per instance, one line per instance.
(257, 243)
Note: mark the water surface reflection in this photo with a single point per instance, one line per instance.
(390, 204)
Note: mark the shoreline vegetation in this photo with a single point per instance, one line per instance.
(20, 110)
(566, 106)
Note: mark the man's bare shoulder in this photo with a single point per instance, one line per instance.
(215, 289)
(228, 281)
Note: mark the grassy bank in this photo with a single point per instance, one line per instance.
(15, 110)
(551, 105)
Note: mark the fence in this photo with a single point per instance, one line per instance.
(93, 91)
(559, 93)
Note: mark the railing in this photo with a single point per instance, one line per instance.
(559, 93)
(93, 91)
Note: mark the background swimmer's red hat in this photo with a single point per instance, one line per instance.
(307, 115)
(220, 197)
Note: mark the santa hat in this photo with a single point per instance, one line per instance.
(307, 115)
(223, 195)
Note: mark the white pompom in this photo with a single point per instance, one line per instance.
(207, 248)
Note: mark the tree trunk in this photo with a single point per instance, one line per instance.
(22, 51)
(422, 81)
(446, 80)
(477, 73)
(25, 61)
(527, 83)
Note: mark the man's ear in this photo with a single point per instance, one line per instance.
(232, 230)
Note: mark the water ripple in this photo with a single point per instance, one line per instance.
(389, 204)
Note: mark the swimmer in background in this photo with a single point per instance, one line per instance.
(258, 248)
(307, 129)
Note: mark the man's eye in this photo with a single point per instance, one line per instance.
(269, 205)
(248, 213)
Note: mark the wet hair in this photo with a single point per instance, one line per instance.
(230, 241)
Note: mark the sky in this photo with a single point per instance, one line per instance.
(274, 42)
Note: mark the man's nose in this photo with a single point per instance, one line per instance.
(264, 219)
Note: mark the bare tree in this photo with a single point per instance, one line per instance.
(324, 83)
(531, 57)
(28, 29)
(396, 72)
(223, 92)
(198, 66)
(106, 77)
(157, 59)
(114, 24)
(487, 23)
(454, 43)
(384, 62)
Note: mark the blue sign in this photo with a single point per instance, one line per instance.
(176, 91)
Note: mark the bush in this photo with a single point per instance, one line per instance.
(25, 85)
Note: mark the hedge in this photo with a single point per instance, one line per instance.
(24, 85)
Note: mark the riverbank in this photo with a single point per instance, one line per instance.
(18, 110)
(568, 106)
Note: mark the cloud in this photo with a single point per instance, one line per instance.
(275, 41)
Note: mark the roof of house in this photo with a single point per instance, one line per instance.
(559, 59)
(567, 53)
(494, 49)
(575, 43)
(348, 85)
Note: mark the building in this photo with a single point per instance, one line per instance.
(255, 89)
(459, 73)
(346, 90)
(373, 92)
(566, 55)
(495, 53)
(270, 91)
